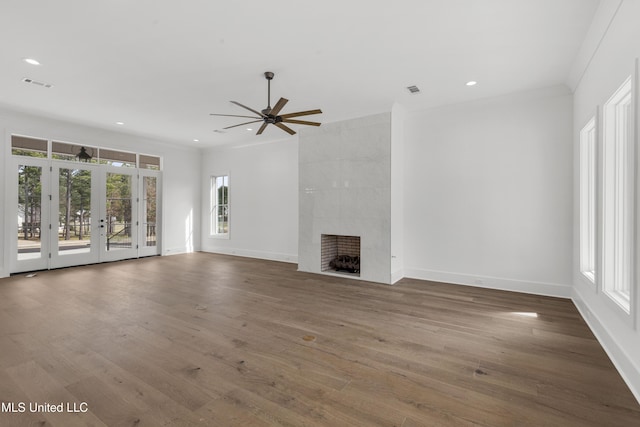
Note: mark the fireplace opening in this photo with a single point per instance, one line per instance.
(340, 254)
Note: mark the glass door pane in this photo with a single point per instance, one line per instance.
(75, 236)
(28, 191)
(149, 213)
(150, 239)
(29, 212)
(74, 211)
(118, 220)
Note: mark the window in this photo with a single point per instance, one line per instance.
(30, 147)
(75, 152)
(149, 162)
(117, 158)
(617, 197)
(588, 200)
(220, 205)
(70, 152)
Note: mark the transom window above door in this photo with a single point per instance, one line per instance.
(65, 151)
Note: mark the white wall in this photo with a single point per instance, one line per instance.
(398, 119)
(488, 193)
(181, 183)
(181, 200)
(263, 199)
(615, 48)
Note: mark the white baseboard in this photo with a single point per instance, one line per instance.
(177, 251)
(271, 256)
(537, 288)
(169, 252)
(628, 368)
(396, 276)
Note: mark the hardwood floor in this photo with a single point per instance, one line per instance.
(213, 340)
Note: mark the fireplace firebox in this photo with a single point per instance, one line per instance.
(340, 254)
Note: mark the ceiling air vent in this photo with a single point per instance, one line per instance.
(37, 83)
(413, 89)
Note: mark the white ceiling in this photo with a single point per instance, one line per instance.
(161, 66)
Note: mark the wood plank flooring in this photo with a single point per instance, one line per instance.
(213, 340)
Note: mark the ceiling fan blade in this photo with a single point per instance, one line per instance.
(262, 128)
(285, 128)
(242, 124)
(247, 108)
(301, 122)
(301, 113)
(233, 115)
(276, 108)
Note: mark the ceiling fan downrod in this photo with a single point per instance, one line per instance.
(269, 76)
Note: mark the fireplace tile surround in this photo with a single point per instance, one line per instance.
(344, 189)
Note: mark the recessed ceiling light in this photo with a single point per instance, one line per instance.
(31, 61)
(472, 83)
(120, 123)
(196, 140)
(249, 129)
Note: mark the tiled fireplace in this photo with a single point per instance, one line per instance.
(345, 193)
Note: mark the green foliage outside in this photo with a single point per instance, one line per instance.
(30, 201)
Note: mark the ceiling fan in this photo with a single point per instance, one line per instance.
(269, 116)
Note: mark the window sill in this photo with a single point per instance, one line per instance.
(621, 299)
(590, 275)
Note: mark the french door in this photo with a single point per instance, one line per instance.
(80, 213)
(74, 205)
(30, 240)
(118, 223)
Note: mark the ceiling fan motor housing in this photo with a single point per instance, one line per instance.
(273, 119)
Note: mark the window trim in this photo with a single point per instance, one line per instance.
(618, 191)
(588, 191)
